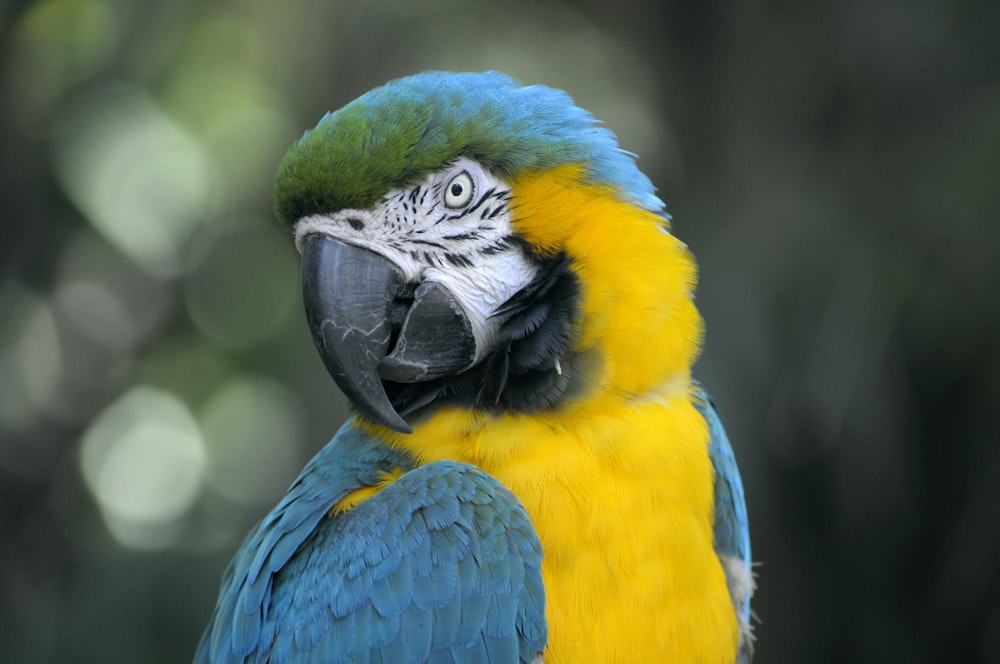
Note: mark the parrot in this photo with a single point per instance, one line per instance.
(529, 473)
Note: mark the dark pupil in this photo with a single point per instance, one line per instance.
(456, 189)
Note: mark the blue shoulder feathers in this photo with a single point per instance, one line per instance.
(442, 564)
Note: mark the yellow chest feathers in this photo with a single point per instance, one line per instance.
(621, 498)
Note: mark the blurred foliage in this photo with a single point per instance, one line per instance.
(833, 165)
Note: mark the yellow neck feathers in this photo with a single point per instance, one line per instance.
(636, 278)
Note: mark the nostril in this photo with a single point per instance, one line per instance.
(356, 223)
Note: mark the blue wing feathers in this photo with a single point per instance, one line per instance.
(445, 625)
(502, 611)
(443, 564)
(474, 606)
(437, 588)
(731, 523)
(440, 657)
(499, 649)
(414, 637)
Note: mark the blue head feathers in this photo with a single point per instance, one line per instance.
(395, 135)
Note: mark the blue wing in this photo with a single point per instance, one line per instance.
(731, 523)
(441, 565)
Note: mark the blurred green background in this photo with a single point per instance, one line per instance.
(833, 165)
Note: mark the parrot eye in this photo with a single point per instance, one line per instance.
(459, 190)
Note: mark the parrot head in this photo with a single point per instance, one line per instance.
(448, 225)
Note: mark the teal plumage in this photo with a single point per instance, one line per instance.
(442, 566)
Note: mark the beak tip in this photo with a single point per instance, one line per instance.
(384, 414)
(405, 428)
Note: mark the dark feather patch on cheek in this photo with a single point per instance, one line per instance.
(526, 322)
(540, 325)
(536, 390)
(541, 348)
(529, 369)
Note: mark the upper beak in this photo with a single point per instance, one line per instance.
(349, 294)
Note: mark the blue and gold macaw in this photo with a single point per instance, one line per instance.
(530, 473)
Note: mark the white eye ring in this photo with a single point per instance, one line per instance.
(459, 190)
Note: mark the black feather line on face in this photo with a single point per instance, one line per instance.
(530, 370)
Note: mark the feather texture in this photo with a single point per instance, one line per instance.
(441, 564)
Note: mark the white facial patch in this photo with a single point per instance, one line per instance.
(453, 228)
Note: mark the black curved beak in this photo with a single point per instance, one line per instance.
(348, 293)
(350, 296)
